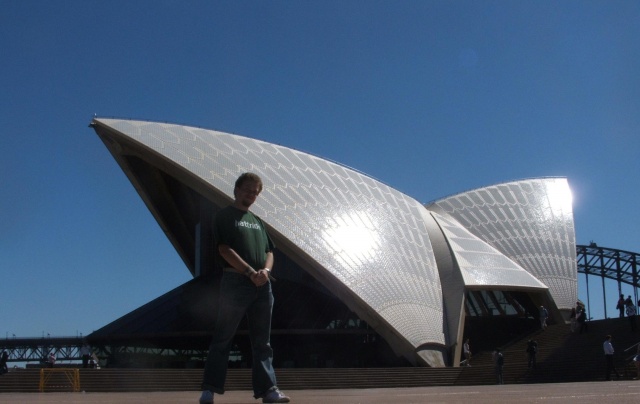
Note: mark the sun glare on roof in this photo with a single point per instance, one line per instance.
(560, 197)
(354, 236)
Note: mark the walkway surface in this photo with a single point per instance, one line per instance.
(618, 392)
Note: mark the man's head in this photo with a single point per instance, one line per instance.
(247, 188)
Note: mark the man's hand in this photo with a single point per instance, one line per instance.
(260, 277)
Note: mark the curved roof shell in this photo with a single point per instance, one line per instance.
(530, 222)
(481, 265)
(363, 239)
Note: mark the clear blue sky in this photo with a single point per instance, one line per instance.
(430, 97)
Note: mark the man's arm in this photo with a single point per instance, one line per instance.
(269, 262)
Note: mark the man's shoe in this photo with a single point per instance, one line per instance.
(206, 397)
(275, 396)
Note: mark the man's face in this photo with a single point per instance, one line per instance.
(247, 193)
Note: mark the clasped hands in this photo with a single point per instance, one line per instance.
(260, 277)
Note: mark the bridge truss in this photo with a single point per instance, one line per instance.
(608, 263)
(67, 350)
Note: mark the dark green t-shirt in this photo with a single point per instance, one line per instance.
(245, 233)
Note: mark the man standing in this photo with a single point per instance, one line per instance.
(51, 360)
(621, 306)
(581, 317)
(85, 353)
(245, 289)
(608, 354)
(3, 362)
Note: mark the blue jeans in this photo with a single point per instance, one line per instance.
(240, 297)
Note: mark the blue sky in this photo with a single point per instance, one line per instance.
(430, 97)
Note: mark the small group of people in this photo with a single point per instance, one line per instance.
(623, 305)
(626, 307)
(89, 359)
(578, 317)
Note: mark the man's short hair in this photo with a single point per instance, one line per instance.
(248, 177)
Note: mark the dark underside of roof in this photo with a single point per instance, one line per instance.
(184, 317)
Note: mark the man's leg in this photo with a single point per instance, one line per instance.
(609, 364)
(232, 307)
(259, 316)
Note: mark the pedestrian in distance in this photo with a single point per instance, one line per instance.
(467, 353)
(246, 250)
(636, 362)
(621, 306)
(51, 360)
(630, 310)
(581, 318)
(532, 351)
(609, 358)
(544, 315)
(498, 362)
(4, 358)
(85, 354)
(572, 318)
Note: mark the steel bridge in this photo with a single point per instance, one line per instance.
(67, 350)
(608, 263)
(37, 349)
(593, 261)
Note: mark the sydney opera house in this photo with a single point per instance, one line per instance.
(365, 274)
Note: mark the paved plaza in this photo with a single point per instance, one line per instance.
(618, 392)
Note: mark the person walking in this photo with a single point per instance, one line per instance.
(498, 361)
(544, 315)
(608, 355)
(467, 353)
(630, 310)
(532, 351)
(245, 289)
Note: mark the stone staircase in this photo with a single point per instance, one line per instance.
(111, 380)
(562, 357)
